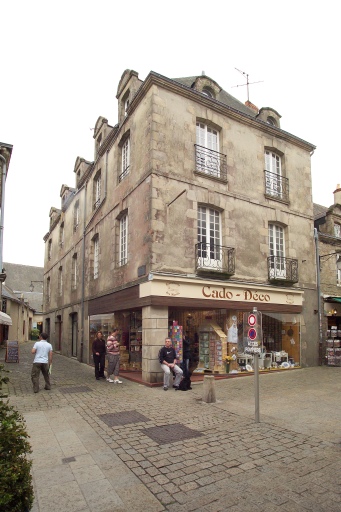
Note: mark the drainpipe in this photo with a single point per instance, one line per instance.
(3, 178)
(83, 275)
(319, 302)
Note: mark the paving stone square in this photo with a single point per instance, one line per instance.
(170, 433)
(123, 418)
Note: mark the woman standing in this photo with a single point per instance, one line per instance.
(113, 355)
(98, 353)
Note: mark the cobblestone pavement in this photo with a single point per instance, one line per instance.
(105, 447)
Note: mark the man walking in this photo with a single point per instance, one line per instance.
(42, 361)
(167, 358)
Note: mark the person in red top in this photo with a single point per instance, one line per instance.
(98, 353)
(113, 356)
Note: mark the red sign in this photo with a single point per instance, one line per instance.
(252, 320)
(252, 334)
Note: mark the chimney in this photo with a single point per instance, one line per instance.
(251, 105)
(337, 194)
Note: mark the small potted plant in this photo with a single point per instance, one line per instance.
(227, 360)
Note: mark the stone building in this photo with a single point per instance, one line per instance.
(328, 244)
(196, 209)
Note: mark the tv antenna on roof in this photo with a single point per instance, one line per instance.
(247, 82)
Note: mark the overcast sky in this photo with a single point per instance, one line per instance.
(62, 61)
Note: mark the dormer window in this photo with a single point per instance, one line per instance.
(126, 102)
(126, 105)
(208, 92)
(98, 143)
(97, 190)
(271, 121)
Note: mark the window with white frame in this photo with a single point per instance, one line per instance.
(76, 216)
(273, 175)
(209, 238)
(97, 190)
(60, 281)
(277, 251)
(207, 150)
(125, 159)
(337, 230)
(123, 246)
(126, 105)
(96, 257)
(74, 272)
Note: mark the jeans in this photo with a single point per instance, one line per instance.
(167, 372)
(113, 365)
(185, 366)
(35, 373)
(99, 365)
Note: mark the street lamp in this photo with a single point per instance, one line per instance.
(32, 285)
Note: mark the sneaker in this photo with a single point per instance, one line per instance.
(176, 388)
(117, 381)
(110, 380)
(165, 388)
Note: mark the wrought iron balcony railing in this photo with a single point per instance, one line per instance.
(211, 258)
(276, 186)
(123, 174)
(210, 162)
(97, 203)
(282, 269)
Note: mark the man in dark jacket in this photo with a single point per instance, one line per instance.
(167, 357)
(98, 353)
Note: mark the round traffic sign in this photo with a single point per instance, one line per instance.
(252, 334)
(252, 320)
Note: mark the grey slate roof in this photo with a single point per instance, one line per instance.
(18, 280)
(223, 96)
(319, 211)
(19, 277)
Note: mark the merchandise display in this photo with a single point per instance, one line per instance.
(333, 346)
(212, 348)
(176, 335)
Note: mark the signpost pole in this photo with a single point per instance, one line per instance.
(256, 370)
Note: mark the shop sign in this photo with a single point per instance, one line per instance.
(223, 293)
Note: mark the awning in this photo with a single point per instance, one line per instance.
(328, 298)
(5, 319)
